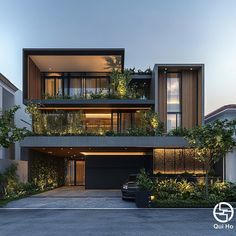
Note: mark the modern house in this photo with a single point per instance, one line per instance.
(10, 96)
(227, 166)
(90, 132)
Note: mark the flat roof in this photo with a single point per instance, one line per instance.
(76, 59)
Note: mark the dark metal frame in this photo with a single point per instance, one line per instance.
(63, 52)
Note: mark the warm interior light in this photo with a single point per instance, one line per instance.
(94, 108)
(97, 115)
(113, 153)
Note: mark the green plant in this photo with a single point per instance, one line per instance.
(211, 143)
(144, 182)
(9, 133)
(179, 131)
(120, 83)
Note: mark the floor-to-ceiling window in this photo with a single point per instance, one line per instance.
(74, 85)
(173, 101)
(53, 87)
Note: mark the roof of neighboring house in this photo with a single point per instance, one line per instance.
(220, 110)
(7, 82)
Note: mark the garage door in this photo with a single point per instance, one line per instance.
(110, 172)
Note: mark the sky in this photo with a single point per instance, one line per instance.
(151, 31)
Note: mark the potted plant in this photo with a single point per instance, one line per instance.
(145, 187)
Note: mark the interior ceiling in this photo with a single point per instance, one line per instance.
(78, 152)
(74, 63)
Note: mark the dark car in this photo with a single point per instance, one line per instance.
(129, 188)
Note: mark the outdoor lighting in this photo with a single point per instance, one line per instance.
(125, 186)
(154, 122)
(152, 197)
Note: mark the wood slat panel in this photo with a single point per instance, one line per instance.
(34, 81)
(162, 97)
(189, 98)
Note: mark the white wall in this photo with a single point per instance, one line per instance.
(230, 159)
(6, 101)
(9, 98)
(230, 164)
(22, 119)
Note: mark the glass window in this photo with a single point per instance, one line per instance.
(75, 89)
(90, 86)
(58, 87)
(53, 87)
(102, 85)
(173, 101)
(173, 92)
(173, 121)
(49, 87)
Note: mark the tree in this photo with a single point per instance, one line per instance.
(9, 133)
(212, 142)
(120, 83)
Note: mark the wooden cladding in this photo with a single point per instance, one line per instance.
(191, 97)
(162, 101)
(34, 81)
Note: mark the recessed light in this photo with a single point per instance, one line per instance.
(191, 68)
(68, 152)
(71, 148)
(165, 68)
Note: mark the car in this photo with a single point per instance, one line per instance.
(129, 188)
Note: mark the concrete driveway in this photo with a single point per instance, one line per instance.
(73, 197)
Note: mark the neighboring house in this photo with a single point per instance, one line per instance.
(79, 124)
(228, 165)
(10, 96)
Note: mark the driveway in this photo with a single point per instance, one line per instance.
(73, 197)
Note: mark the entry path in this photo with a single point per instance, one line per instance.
(73, 197)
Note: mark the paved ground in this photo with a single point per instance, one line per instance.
(161, 222)
(74, 197)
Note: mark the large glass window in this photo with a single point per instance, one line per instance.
(91, 87)
(75, 89)
(74, 85)
(173, 101)
(53, 87)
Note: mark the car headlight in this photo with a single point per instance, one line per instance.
(125, 186)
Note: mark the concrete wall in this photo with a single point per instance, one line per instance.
(101, 141)
(22, 168)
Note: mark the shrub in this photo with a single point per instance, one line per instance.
(144, 182)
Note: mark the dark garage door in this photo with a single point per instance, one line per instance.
(110, 172)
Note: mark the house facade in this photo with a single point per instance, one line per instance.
(227, 166)
(11, 96)
(90, 135)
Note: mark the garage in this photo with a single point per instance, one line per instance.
(110, 172)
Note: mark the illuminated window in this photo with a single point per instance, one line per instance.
(173, 101)
(53, 87)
